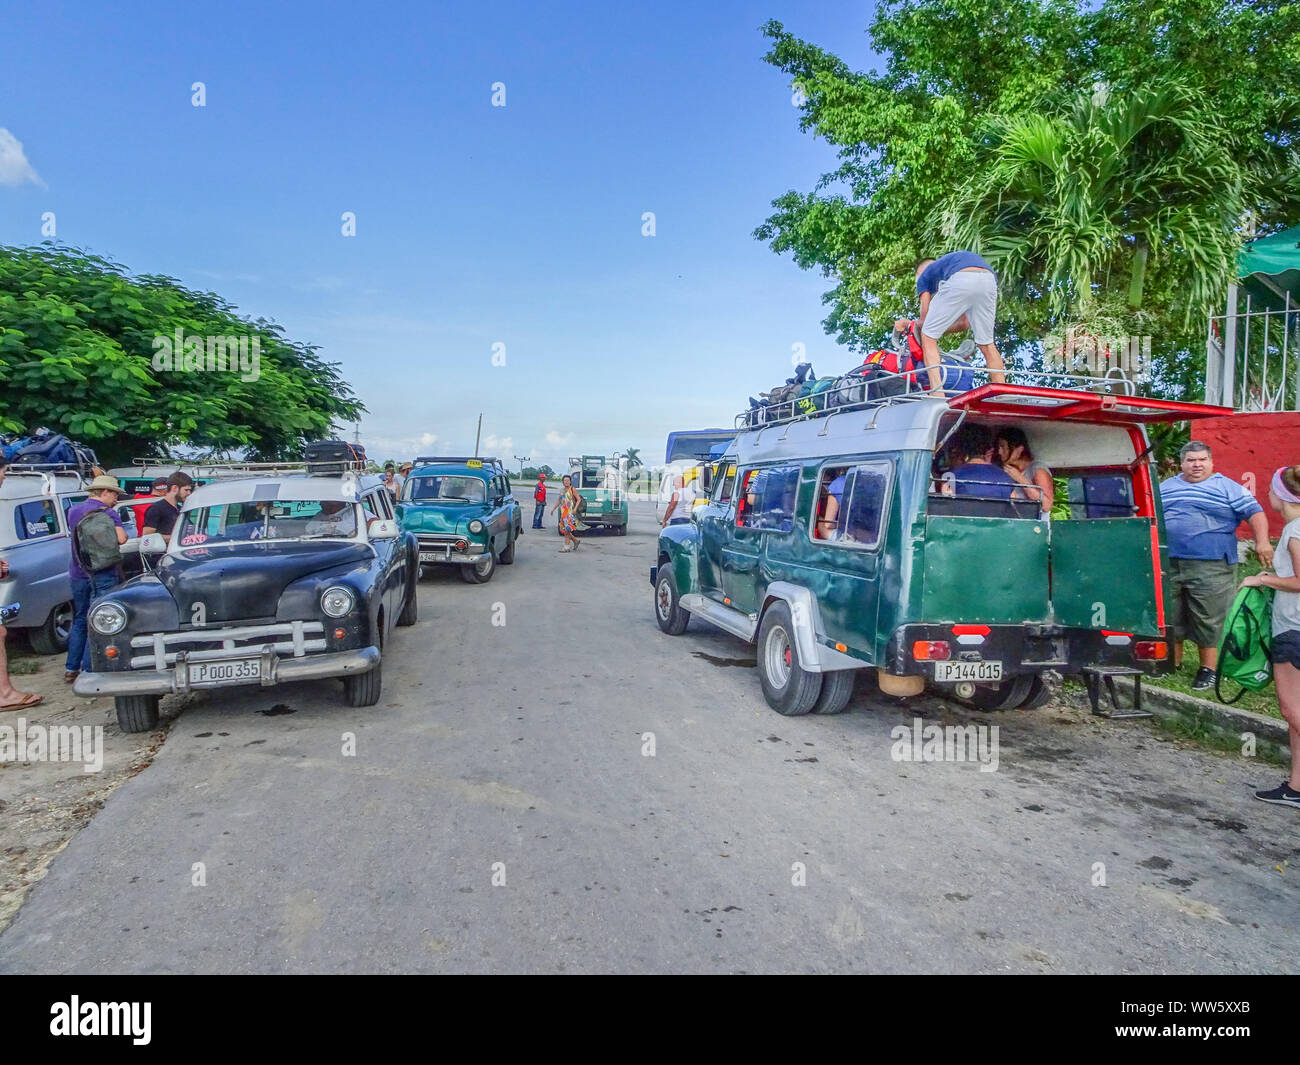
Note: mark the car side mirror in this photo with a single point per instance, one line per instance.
(153, 544)
(382, 529)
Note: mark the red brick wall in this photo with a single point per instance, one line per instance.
(1257, 442)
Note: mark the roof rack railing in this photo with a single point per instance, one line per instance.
(800, 408)
(249, 467)
(433, 460)
(70, 468)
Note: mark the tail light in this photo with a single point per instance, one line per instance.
(1152, 650)
(931, 650)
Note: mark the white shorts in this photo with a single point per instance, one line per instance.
(973, 293)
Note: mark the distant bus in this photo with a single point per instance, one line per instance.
(695, 445)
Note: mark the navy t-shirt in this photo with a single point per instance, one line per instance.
(944, 267)
(983, 479)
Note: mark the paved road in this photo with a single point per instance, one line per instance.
(521, 744)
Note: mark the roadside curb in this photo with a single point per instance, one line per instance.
(1163, 702)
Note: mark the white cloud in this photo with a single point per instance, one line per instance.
(557, 439)
(14, 167)
(428, 438)
(503, 443)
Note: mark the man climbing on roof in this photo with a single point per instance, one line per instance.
(956, 284)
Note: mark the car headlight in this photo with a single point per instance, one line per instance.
(476, 526)
(108, 619)
(337, 601)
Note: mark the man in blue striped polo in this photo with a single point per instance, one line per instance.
(1202, 511)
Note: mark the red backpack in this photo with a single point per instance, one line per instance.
(891, 361)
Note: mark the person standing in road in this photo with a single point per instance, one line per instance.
(1202, 511)
(390, 479)
(1284, 497)
(539, 501)
(568, 507)
(681, 504)
(161, 515)
(91, 578)
(956, 284)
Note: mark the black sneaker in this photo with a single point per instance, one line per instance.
(1283, 795)
(1204, 679)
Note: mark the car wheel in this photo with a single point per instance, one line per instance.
(837, 690)
(788, 687)
(364, 689)
(1008, 694)
(410, 610)
(480, 572)
(622, 529)
(668, 609)
(52, 637)
(508, 555)
(136, 713)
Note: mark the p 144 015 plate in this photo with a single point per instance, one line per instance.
(969, 671)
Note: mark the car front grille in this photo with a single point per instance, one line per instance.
(290, 639)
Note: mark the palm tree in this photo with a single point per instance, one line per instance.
(633, 456)
(1074, 206)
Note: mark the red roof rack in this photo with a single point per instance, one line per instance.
(1096, 408)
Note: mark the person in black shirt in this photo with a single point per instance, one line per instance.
(161, 515)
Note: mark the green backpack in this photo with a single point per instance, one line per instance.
(94, 541)
(1246, 643)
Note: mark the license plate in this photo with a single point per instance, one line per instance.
(217, 672)
(433, 556)
(956, 671)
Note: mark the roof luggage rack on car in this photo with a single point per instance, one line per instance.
(435, 460)
(902, 388)
(203, 469)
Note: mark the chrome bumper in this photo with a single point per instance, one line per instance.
(445, 554)
(273, 670)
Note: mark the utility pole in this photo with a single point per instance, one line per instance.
(477, 433)
(521, 459)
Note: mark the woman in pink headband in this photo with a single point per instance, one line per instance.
(1284, 497)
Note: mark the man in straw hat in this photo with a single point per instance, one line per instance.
(88, 584)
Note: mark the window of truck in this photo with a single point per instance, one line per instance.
(850, 505)
(768, 499)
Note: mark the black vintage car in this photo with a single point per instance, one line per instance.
(266, 580)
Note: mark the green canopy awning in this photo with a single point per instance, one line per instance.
(1269, 267)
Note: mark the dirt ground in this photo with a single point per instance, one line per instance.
(43, 804)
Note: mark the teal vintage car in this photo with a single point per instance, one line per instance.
(463, 514)
(859, 539)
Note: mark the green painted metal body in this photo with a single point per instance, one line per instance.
(926, 569)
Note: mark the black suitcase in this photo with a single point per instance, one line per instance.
(334, 456)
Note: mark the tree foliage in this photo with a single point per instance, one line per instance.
(1092, 152)
(77, 354)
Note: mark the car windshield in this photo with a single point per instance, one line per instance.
(296, 519)
(441, 487)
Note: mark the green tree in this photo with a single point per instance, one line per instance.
(969, 85)
(633, 456)
(77, 353)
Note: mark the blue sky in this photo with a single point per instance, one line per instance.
(475, 225)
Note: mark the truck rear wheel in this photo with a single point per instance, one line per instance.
(788, 687)
(837, 690)
(1010, 693)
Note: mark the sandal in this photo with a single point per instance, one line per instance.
(69, 675)
(29, 699)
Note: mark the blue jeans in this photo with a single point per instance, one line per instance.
(83, 592)
(538, 510)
